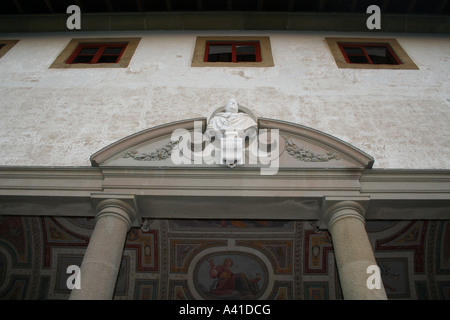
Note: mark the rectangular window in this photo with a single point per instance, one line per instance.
(369, 53)
(81, 53)
(93, 53)
(232, 51)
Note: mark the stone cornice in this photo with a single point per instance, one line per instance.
(190, 192)
(378, 183)
(54, 181)
(389, 184)
(406, 184)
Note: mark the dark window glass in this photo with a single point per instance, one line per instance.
(233, 52)
(112, 50)
(83, 59)
(369, 53)
(246, 58)
(97, 53)
(107, 59)
(358, 59)
(220, 53)
(245, 49)
(353, 50)
(380, 55)
(88, 51)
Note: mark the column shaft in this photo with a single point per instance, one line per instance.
(353, 253)
(101, 262)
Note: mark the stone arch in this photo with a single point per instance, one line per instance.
(303, 147)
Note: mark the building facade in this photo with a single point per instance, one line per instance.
(359, 151)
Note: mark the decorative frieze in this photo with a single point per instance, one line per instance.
(296, 151)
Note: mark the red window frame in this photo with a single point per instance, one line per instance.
(361, 46)
(100, 52)
(234, 53)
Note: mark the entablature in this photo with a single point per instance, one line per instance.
(180, 193)
(314, 171)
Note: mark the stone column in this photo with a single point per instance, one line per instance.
(353, 251)
(103, 256)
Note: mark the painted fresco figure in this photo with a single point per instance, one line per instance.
(230, 283)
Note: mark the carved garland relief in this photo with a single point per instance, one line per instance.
(234, 124)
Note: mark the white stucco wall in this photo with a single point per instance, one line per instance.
(59, 117)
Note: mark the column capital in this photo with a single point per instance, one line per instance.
(120, 206)
(335, 208)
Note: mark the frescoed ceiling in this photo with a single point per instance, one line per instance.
(173, 259)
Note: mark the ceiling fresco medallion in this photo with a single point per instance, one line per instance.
(230, 275)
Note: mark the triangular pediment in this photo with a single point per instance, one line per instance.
(299, 147)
